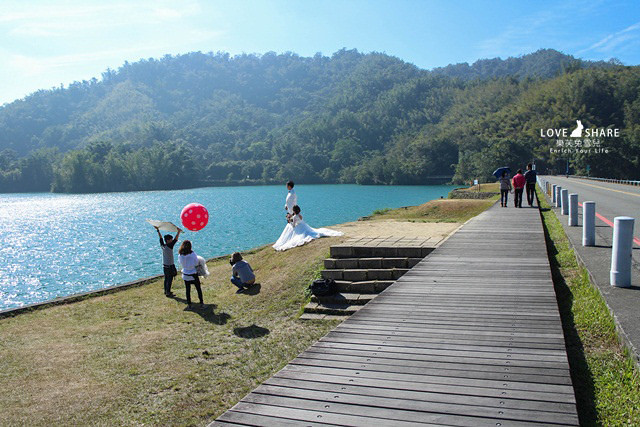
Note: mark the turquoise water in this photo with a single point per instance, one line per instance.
(55, 245)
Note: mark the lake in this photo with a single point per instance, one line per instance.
(59, 244)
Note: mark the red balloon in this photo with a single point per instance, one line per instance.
(194, 216)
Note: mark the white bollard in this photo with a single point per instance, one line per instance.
(565, 201)
(573, 210)
(588, 223)
(620, 274)
(553, 193)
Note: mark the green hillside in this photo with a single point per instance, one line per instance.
(204, 119)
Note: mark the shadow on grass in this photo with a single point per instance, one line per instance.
(581, 375)
(253, 331)
(206, 311)
(253, 289)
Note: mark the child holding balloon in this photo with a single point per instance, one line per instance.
(189, 262)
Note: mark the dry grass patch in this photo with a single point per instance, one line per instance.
(441, 210)
(135, 357)
(492, 187)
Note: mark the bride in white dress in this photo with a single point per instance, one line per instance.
(297, 232)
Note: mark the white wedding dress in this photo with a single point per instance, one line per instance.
(297, 233)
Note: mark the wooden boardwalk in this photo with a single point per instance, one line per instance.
(470, 336)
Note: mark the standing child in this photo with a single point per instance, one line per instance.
(168, 263)
(189, 261)
(242, 274)
(518, 187)
(505, 187)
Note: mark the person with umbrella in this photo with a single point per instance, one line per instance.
(505, 184)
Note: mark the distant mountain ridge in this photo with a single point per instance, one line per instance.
(198, 119)
(544, 64)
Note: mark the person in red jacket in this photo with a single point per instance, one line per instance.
(519, 182)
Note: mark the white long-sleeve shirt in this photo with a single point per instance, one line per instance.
(291, 201)
(189, 263)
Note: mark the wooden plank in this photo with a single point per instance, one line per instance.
(534, 382)
(424, 407)
(469, 370)
(388, 416)
(404, 390)
(304, 416)
(418, 343)
(561, 391)
(434, 362)
(426, 352)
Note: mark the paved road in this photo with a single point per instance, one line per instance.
(611, 200)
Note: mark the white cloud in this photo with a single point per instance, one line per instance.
(608, 43)
(33, 20)
(532, 32)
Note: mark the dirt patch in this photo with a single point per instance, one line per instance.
(399, 228)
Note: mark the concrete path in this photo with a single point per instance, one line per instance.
(611, 200)
(470, 336)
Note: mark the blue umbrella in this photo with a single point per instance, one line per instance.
(498, 172)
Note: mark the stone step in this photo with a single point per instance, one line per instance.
(361, 275)
(368, 286)
(344, 298)
(378, 262)
(349, 251)
(337, 309)
(320, 316)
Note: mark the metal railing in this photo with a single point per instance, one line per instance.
(614, 181)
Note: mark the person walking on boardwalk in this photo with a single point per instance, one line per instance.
(505, 188)
(167, 244)
(189, 262)
(518, 187)
(531, 177)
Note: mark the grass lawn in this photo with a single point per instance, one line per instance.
(605, 378)
(440, 210)
(491, 187)
(136, 357)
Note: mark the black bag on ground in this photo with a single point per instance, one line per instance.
(323, 287)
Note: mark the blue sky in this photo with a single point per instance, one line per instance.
(48, 43)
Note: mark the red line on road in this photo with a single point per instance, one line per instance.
(610, 224)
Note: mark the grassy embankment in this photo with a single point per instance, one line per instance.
(605, 378)
(135, 357)
(442, 210)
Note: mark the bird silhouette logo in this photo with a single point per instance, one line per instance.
(577, 132)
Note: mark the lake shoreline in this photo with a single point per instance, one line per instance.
(224, 184)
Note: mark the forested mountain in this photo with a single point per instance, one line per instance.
(545, 64)
(199, 119)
